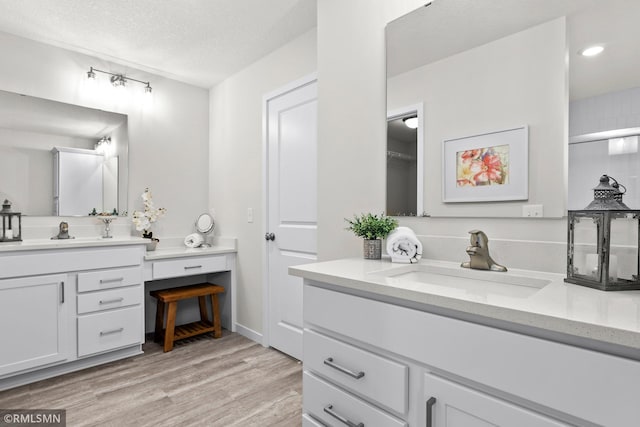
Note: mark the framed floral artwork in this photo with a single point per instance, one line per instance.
(486, 168)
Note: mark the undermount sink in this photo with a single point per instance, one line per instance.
(479, 282)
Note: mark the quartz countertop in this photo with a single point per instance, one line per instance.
(183, 251)
(611, 318)
(80, 242)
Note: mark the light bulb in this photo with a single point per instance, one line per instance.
(411, 122)
(591, 51)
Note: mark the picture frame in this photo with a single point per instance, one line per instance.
(490, 167)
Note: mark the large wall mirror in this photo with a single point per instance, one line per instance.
(484, 67)
(59, 159)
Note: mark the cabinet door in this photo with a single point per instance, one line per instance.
(447, 404)
(34, 316)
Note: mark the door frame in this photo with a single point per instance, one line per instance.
(289, 87)
(418, 110)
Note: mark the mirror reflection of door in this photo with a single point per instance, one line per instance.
(402, 165)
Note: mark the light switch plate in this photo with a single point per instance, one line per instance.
(249, 214)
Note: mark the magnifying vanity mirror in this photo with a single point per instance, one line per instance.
(205, 225)
(60, 159)
(481, 67)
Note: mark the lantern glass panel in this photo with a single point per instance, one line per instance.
(623, 257)
(585, 247)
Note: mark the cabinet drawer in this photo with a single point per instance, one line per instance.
(107, 279)
(113, 298)
(109, 330)
(188, 267)
(365, 373)
(327, 402)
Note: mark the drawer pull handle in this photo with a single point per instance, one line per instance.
(112, 331)
(329, 362)
(190, 267)
(430, 403)
(329, 410)
(111, 301)
(61, 292)
(117, 279)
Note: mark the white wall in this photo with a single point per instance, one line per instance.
(236, 162)
(351, 72)
(351, 116)
(168, 138)
(491, 88)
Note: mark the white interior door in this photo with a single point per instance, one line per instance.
(292, 212)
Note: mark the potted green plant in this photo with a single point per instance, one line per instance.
(372, 228)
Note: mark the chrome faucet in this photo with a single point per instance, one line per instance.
(479, 253)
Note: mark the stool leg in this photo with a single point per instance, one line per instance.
(217, 331)
(157, 335)
(204, 317)
(171, 324)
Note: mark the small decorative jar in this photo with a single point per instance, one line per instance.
(11, 224)
(603, 241)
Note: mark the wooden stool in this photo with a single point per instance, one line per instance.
(171, 296)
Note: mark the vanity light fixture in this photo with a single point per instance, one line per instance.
(591, 50)
(411, 122)
(103, 146)
(118, 80)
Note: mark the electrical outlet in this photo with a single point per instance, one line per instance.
(249, 214)
(532, 211)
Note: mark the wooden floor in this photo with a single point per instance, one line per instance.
(230, 381)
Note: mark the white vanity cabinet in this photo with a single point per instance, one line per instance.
(34, 314)
(416, 363)
(69, 307)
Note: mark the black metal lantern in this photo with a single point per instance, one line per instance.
(603, 241)
(11, 224)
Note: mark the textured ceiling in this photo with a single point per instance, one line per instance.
(196, 41)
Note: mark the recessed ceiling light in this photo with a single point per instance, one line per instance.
(591, 51)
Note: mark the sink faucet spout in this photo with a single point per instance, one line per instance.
(478, 251)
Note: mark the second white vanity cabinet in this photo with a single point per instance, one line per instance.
(400, 365)
(68, 306)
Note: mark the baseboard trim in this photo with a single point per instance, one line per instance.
(62, 368)
(250, 333)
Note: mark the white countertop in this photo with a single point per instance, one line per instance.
(183, 251)
(80, 242)
(559, 307)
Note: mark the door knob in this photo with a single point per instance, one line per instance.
(270, 236)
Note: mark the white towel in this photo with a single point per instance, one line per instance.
(194, 240)
(403, 246)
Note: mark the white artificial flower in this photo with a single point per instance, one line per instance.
(143, 220)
